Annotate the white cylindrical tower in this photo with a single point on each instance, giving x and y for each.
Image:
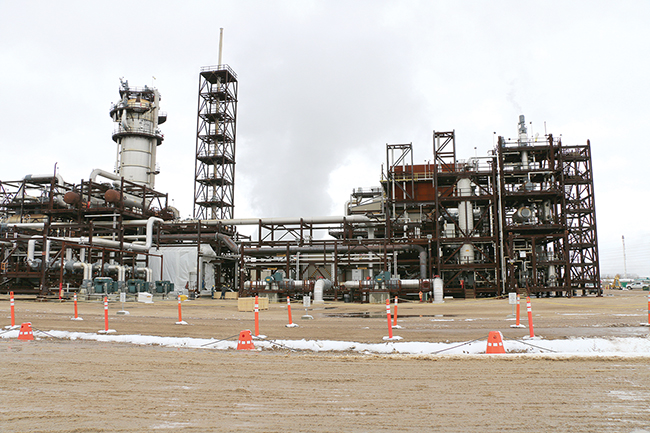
(523, 140)
(466, 219)
(137, 135)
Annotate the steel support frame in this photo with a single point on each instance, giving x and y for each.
(580, 208)
(214, 179)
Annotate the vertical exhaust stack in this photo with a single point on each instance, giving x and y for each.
(523, 140)
(137, 135)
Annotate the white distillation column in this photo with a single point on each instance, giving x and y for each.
(466, 219)
(137, 134)
(523, 140)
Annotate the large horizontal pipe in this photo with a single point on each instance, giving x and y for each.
(281, 221)
(356, 219)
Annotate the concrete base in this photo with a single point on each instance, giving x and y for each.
(378, 297)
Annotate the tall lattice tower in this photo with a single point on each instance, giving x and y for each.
(214, 179)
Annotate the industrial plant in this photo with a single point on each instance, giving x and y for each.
(520, 219)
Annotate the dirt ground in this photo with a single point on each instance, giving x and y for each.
(51, 385)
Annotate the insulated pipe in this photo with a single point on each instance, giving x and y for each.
(423, 260)
(99, 172)
(390, 284)
(121, 274)
(422, 253)
(88, 272)
(356, 219)
(227, 240)
(320, 286)
(41, 178)
(272, 221)
(128, 246)
(31, 248)
(147, 273)
(259, 285)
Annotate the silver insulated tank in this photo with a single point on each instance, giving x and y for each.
(137, 135)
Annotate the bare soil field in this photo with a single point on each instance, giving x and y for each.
(52, 385)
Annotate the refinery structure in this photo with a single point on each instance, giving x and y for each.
(520, 219)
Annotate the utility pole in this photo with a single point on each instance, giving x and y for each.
(624, 259)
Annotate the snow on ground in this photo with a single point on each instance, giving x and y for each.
(628, 346)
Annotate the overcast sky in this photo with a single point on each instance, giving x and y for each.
(324, 85)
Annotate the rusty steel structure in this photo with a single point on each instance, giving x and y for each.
(520, 219)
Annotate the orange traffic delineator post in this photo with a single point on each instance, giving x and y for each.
(495, 343)
(390, 328)
(105, 313)
(291, 324)
(518, 324)
(395, 325)
(518, 311)
(257, 318)
(106, 330)
(76, 311)
(26, 332)
(245, 340)
(180, 313)
(530, 317)
(647, 324)
(395, 315)
(13, 313)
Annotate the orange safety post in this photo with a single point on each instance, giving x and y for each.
(13, 313)
(291, 324)
(395, 315)
(105, 313)
(76, 312)
(257, 318)
(420, 295)
(60, 292)
(289, 310)
(180, 314)
(518, 315)
(390, 329)
(530, 317)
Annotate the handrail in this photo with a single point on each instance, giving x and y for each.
(219, 68)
